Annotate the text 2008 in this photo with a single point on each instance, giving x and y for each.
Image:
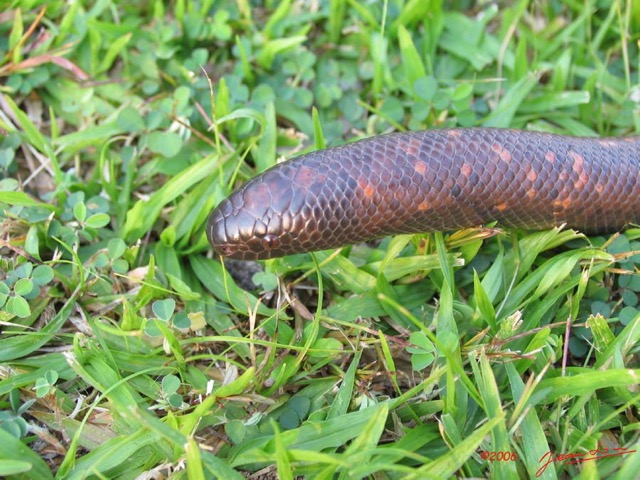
(499, 456)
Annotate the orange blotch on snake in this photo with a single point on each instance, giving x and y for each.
(369, 191)
(582, 181)
(562, 204)
(420, 167)
(532, 175)
(366, 188)
(454, 133)
(599, 188)
(578, 161)
(306, 176)
(502, 206)
(550, 157)
(502, 152)
(466, 170)
(532, 193)
(423, 206)
(411, 147)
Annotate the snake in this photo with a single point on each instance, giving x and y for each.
(433, 180)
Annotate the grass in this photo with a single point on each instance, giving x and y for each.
(126, 348)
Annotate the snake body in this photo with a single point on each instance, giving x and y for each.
(437, 180)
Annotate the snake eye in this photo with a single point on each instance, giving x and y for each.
(270, 241)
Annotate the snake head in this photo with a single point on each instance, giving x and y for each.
(321, 200)
(268, 216)
(240, 226)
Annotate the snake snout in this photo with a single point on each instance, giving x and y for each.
(244, 226)
(217, 232)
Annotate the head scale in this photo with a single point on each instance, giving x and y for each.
(270, 216)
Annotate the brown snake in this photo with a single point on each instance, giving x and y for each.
(437, 180)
